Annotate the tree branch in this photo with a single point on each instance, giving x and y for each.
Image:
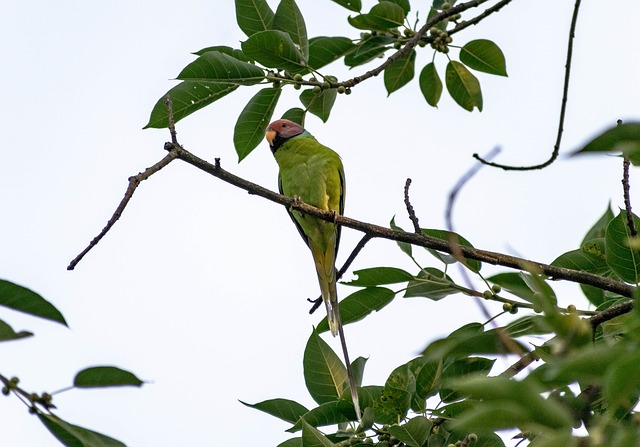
(626, 186)
(563, 106)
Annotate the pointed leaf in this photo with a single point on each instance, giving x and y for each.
(357, 368)
(7, 333)
(324, 372)
(293, 442)
(400, 72)
(431, 283)
(105, 376)
(73, 436)
(623, 138)
(274, 49)
(428, 379)
(430, 84)
(359, 304)
(352, 5)
(289, 19)
(378, 276)
(214, 66)
(470, 366)
(285, 409)
(414, 433)
(312, 437)
(320, 104)
(404, 246)
(253, 16)
(237, 54)
(187, 97)
(329, 413)
(623, 260)
(404, 4)
(598, 230)
(253, 121)
(463, 87)
(324, 50)
(484, 55)
(382, 17)
(455, 238)
(24, 300)
(621, 383)
(295, 114)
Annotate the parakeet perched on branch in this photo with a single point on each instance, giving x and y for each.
(313, 173)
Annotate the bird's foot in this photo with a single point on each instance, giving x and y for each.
(335, 216)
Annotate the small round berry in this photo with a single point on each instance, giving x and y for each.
(341, 89)
(507, 307)
(297, 77)
(317, 89)
(487, 294)
(297, 86)
(496, 288)
(445, 6)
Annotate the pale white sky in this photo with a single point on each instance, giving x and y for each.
(200, 288)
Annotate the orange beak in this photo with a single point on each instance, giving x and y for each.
(270, 135)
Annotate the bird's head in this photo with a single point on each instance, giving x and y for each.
(280, 131)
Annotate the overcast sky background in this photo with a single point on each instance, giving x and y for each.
(200, 288)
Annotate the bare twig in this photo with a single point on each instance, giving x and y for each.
(627, 200)
(467, 23)
(563, 106)
(170, 118)
(410, 210)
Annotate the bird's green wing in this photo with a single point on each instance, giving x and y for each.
(300, 230)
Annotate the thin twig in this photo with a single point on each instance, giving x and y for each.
(171, 119)
(410, 210)
(626, 186)
(610, 313)
(467, 23)
(563, 106)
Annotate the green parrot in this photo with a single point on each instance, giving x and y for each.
(313, 173)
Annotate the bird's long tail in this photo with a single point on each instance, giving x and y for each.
(327, 280)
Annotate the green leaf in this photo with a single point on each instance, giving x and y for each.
(623, 138)
(400, 72)
(285, 409)
(187, 97)
(295, 114)
(382, 17)
(470, 366)
(404, 246)
(395, 400)
(214, 66)
(312, 437)
(352, 5)
(451, 237)
(324, 50)
(105, 376)
(587, 261)
(357, 368)
(293, 442)
(431, 283)
(430, 84)
(484, 55)
(324, 372)
(404, 4)
(7, 333)
(253, 16)
(599, 229)
(320, 104)
(359, 304)
(428, 378)
(329, 413)
(463, 87)
(520, 284)
(621, 383)
(623, 260)
(253, 121)
(237, 54)
(25, 300)
(414, 433)
(274, 49)
(378, 276)
(368, 50)
(289, 19)
(73, 436)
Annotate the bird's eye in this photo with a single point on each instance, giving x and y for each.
(284, 124)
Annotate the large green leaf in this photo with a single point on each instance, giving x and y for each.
(484, 55)
(395, 400)
(253, 16)
(428, 378)
(377, 276)
(430, 84)
(451, 238)
(383, 16)
(289, 19)
(623, 138)
(431, 283)
(352, 5)
(414, 433)
(368, 50)
(105, 376)
(293, 442)
(400, 72)
(237, 54)
(359, 304)
(253, 121)
(7, 333)
(404, 4)
(214, 66)
(73, 436)
(187, 97)
(324, 50)
(312, 437)
(621, 383)
(329, 413)
(274, 49)
(25, 300)
(463, 86)
(469, 366)
(295, 114)
(599, 229)
(285, 409)
(320, 104)
(324, 373)
(623, 259)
